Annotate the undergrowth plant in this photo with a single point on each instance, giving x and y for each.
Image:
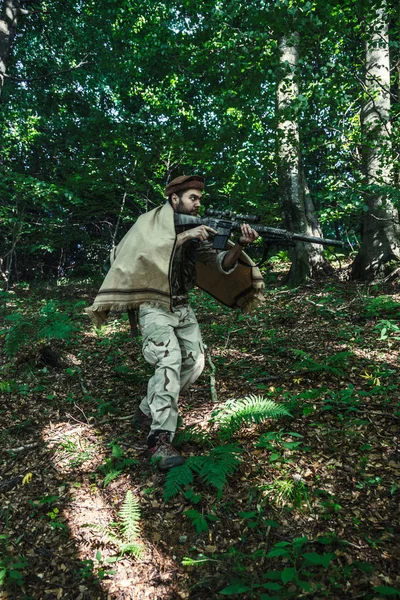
(335, 364)
(251, 410)
(380, 307)
(278, 443)
(124, 533)
(11, 567)
(215, 467)
(23, 329)
(296, 571)
(288, 490)
(114, 465)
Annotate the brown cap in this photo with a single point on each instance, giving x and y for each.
(185, 182)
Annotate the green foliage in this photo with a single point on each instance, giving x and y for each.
(249, 410)
(388, 330)
(387, 590)
(344, 401)
(115, 465)
(380, 307)
(289, 490)
(192, 435)
(333, 364)
(180, 477)
(124, 533)
(197, 520)
(49, 324)
(278, 443)
(213, 469)
(11, 566)
(296, 571)
(220, 464)
(130, 516)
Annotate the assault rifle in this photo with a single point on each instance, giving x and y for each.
(224, 222)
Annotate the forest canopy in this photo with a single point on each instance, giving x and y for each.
(289, 109)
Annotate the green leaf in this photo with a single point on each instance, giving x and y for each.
(288, 574)
(278, 552)
(248, 515)
(272, 586)
(236, 588)
(386, 590)
(364, 567)
(197, 520)
(282, 545)
(318, 559)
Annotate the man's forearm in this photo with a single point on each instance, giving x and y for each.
(231, 257)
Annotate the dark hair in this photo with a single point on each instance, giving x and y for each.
(178, 193)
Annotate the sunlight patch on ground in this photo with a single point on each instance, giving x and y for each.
(76, 447)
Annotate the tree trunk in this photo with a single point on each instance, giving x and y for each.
(11, 11)
(381, 233)
(297, 206)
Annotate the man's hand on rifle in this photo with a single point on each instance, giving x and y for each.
(248, 235)
(201, 233)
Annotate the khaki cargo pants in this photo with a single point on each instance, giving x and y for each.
(172, 344)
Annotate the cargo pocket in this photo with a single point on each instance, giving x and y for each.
(155, 343)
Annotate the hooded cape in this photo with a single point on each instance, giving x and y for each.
(141, 268)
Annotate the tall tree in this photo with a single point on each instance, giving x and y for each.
(11, 12)
(297, 206)
(381, 232)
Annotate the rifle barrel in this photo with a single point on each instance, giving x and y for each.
(273, 233)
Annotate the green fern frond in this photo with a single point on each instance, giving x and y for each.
(134, 549)
(219, 464)
(194, 435)
(110, 476)
(19, 333)
(130, 516)
(51, 323)
(178, 478)
(213, 468)
(252, 409)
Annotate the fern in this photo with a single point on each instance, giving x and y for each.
(130, 515)
(192, 434)
(178, 478)
(252, 409)
(219, 465)
(21, 330)
(127, 529)
(49, 324)
(213, 468)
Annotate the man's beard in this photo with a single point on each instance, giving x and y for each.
(194, 212)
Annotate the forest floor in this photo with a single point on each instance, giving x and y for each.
(298, 506)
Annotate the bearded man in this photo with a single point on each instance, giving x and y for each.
(153, 269)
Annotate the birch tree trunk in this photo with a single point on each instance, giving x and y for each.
(381, 233)
(297, 206)
(10, 13)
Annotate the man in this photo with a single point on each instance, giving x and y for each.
(154, 269)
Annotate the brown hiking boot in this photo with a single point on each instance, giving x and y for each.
(162, 452)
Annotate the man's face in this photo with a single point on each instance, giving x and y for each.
(189, 204)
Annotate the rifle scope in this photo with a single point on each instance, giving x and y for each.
(229, 214)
